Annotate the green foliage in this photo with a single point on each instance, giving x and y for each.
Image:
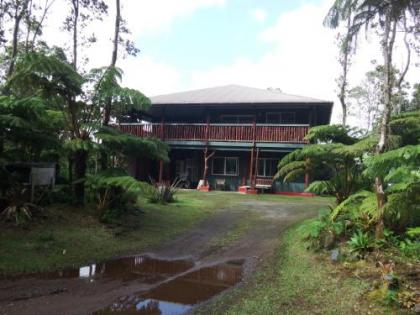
(319, 188)
(414, 232)
(351, 204)
(118, 143)
(407, 127)
(15, 205)
(340, 163)
(44, 75)
(322, 232)
(27, 128)
(108, 90)
(330, 133)
(410, 248)
(361, 243)
(115, 193)
(382, 164)
(162, 192)
(54, 113)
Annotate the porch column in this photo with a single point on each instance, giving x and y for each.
(307, 179)
(160, 171)
(162, 137)
(203, 185)
(252, 166)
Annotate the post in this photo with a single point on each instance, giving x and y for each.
(162, 137)
(307, 179)
(256, 169)
(160, 172)
(207, 128)
(203, 185)
(307, 175)
(251, 167)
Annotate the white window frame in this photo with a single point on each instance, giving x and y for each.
(225, 158)
(280, 116)
(265, 169)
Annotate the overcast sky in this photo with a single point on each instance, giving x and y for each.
(188, 44)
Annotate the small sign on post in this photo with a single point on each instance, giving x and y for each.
(41, 176)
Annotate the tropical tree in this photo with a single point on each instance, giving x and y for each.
(334, 157)
(384, 16)
(80, 99)
(343, 10)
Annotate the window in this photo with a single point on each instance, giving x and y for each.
(237, 119)
(280, 118)
(225, 166)
(267, 167)
(273, 118)
(288, 118)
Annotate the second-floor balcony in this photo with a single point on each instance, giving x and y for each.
(271, 133)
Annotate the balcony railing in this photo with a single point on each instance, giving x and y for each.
(219, 132)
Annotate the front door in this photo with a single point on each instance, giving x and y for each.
(192, 170)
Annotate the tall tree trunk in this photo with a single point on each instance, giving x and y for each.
(19, 14)
(345, 62)
(41, 22)
(116, 33)
(28, 26)
(75, 30)
(80, 167)
(387, 50)
(108, 103)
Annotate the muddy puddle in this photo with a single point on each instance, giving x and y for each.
(139, 268)
(179, 295)
(176, 285)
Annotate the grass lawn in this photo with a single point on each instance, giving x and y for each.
(72, 237)
(296, 281)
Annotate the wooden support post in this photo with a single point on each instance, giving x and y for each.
(207, 129)
(251, 166)
(307, 175)
(160, 171)
(256, 168)
(307, 180)
(204, 185)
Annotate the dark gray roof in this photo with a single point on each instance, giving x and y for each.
(233, 94)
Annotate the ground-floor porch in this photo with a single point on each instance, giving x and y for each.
(247, 170)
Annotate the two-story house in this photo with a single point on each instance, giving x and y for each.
(229, 137)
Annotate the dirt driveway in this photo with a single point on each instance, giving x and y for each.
(247, 231)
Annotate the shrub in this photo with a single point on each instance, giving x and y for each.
(361, 243)
(163, 192)
(16, 207)
(322, 232)
(319, 188)
(410, 248)
(114, 192)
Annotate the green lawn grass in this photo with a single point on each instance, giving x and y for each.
(72, 237)
(295, 281)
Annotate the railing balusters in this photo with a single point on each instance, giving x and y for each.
(219, 132)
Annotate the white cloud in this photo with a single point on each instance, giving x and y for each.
(150, 76)
(303, 59)
(157, 15)
(258, 14)
(143, 18)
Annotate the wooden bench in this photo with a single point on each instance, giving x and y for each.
(263, 183)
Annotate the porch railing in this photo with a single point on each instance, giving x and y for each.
(219, 132)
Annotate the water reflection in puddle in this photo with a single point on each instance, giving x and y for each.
(140, 268)
(179, 295)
